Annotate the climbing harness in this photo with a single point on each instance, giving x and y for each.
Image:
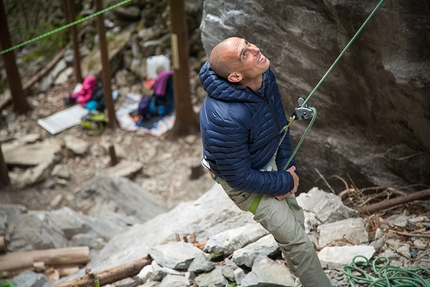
(304, 111)
(63, 27)
(94, 122)
(380, 273)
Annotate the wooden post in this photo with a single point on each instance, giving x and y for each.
(113, 158)
(70, 12)
(186, 119)
(2, 245)
(4, 176)
(106, 75)
(19, 99)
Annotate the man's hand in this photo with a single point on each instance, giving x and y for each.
(291, 170)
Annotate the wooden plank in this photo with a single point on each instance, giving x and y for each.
(109, 276)
(51, 257)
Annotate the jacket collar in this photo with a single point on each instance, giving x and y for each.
(221, 89)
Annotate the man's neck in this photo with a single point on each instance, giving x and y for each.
(254, 84)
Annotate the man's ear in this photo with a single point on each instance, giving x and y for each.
(234, 77)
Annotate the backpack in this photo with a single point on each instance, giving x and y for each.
(162, 104)
(94, 122)
(143, 107)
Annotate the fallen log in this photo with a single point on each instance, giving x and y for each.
(109, 276)
(372, 208)
(50, 257)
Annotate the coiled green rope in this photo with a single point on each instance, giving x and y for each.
(380, 273)
(5, 283)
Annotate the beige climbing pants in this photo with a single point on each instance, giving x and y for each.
(286, 223)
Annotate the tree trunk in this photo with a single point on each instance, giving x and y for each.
(19, 100)
(186, 121)
(106, 67)
(69, 10)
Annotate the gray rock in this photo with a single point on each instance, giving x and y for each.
(29, 154)
(228, 270)
(351, 229)
(264, 246)
(174, 281)
(323, 207)
(216, 213)
(146, 273)
(212, 279)
(176, 255)
(339, 256)
(30, 279)
(125, 169)
(201, 263)
(29, 138)
(159, 272)
(401, 221)
(60, 171)
(266, 272)
(32, 231)
(37, 173)
(76, 145)
(228, 241)
(95, 243)
(239, 274)
(110, 194)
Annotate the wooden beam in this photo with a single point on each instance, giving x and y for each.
(109, 276)
(51, 257)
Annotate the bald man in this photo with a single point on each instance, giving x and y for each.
(241, 123)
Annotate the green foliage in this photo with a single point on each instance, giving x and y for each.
(233, 284)
(47, 45)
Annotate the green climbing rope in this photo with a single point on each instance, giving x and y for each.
(380, 273)
(322, 79)
(64, 27)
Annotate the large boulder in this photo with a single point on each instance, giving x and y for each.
(373, 120)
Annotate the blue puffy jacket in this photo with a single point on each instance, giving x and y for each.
(240, 131)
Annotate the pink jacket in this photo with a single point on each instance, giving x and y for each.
(84, 94)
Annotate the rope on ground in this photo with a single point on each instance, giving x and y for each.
(380, 273)
(5, 283)
(63, 27)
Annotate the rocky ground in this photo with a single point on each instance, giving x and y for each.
(167, 164)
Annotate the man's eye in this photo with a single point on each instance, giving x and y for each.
(245, 54)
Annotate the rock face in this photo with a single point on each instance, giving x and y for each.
(373, 108)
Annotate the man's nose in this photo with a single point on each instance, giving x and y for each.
(254, 49)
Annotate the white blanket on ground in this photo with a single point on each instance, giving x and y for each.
(125, 121)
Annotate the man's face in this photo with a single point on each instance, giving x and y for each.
(246, 59)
